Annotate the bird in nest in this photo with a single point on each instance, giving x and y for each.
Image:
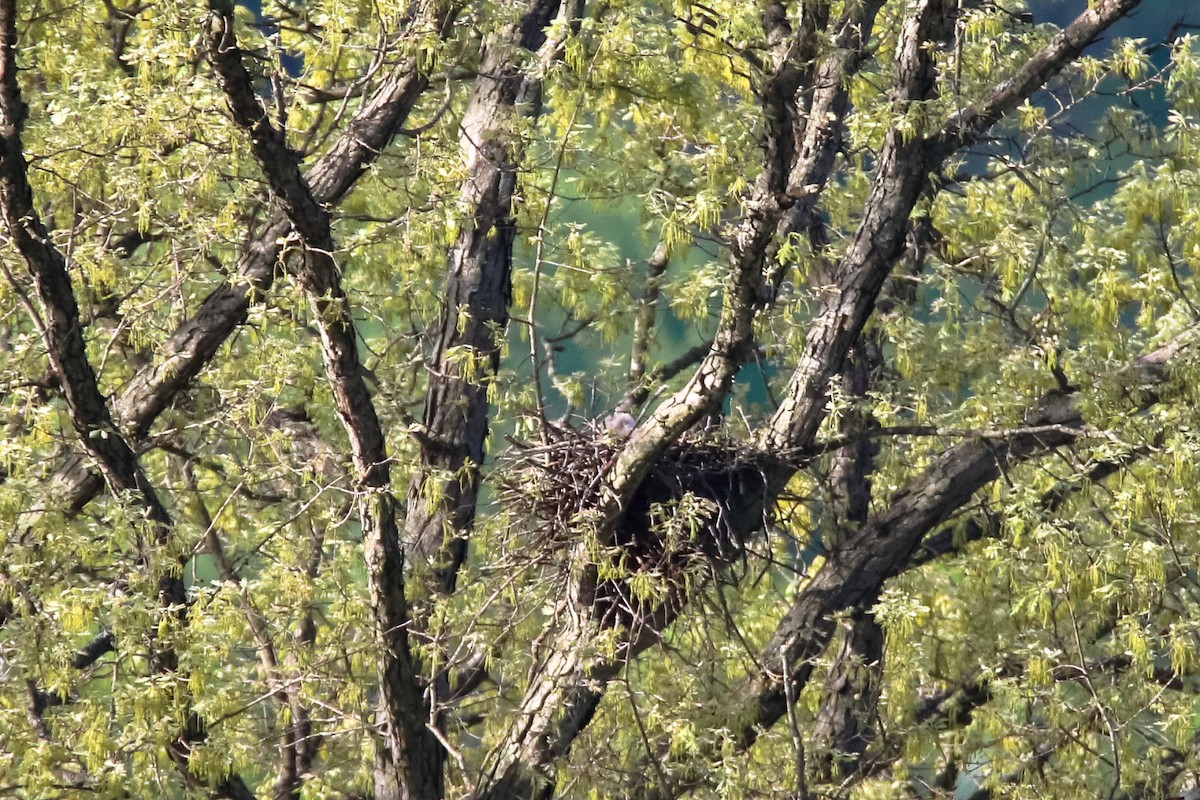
(619, 424)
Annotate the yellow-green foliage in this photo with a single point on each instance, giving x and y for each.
(1057, 258)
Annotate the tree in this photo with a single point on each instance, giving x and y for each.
(311, 312)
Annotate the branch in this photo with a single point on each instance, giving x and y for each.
(196, 340)
(92, 652)
(478, 290)
(957, 705)
(954, 540)
(299, 745)
(561, 699)
(639, 394)
(408, 760)
(902, 175)
(89, 412)
(647, 310)
(279, 163)
(845, 721)
(966, 126)
(876, 244)
(854, 573)
(567, 680)
(61, 327)
(798, 154)
(479, 269)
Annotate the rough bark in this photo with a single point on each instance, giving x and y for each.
(567, 677)
(954, 540)
(561, 700)
(876, 244)
(466, 355)
(454, 433)
(478, 289)
(196, 340)
(90, 415)
(475, 313)
(901, 178)
(968, 124)
(845, 722)
(798, 154)
(854, 573)
(409, 758)
(643, 322)
(796, 422)
(62, 329)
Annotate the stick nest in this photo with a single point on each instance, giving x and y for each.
(684, 507)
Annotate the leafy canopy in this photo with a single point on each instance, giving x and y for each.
(1047, 647)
